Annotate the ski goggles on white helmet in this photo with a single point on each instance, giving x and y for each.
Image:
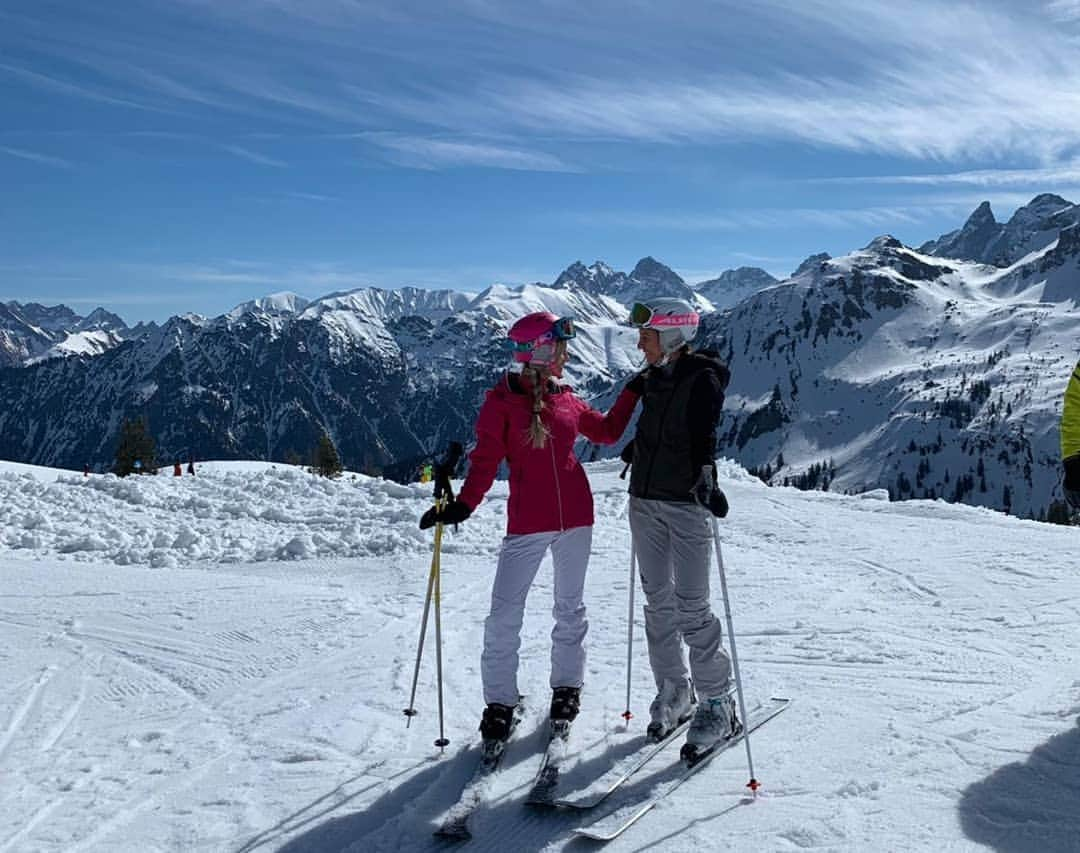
(645, 317)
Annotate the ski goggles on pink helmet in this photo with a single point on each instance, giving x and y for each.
(534, 336)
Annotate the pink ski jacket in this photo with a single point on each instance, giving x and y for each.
(548, 487)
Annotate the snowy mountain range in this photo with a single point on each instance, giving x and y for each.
(934, 372)
(33, 332)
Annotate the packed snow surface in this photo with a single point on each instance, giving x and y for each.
(220, 663)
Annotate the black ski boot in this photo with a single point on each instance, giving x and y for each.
(497, 722)
(565, 702)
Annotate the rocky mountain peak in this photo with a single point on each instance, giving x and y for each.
(885, 241)
(731, 286)
(100, 319)
(813, 262)
(981, 215)
(983, 239)
(598, 279)
(651, 272)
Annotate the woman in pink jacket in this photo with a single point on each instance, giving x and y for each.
(531, 420)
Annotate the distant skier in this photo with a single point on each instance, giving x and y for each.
(672, 492)
(191, 467)
(1070, 440)
(531, 420)
(176, 470)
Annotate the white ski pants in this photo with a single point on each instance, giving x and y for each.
(519, 560)
(673, 542)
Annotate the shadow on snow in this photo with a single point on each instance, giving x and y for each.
(1029, 807)
(405, 816)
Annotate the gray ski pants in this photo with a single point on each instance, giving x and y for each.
(519, 560)
(673, 542)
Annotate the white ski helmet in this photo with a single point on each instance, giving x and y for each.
(675, 320)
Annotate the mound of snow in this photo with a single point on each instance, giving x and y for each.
(230, 512)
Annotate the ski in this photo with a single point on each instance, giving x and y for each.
(547, 777)
(593, 794)
(613, 825)
(455, 823)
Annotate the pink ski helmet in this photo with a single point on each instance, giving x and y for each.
(535, 335)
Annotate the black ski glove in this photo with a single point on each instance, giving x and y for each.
(455, 512)
(709, 495)
(627, 453)
(637, 384)
(1072, 481)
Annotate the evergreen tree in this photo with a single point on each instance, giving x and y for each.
(327, 461)
(135, 444)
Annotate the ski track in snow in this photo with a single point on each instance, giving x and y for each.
(242, 690)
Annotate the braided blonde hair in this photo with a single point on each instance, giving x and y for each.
(538, 377)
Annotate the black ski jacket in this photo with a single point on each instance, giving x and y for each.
(676, 432)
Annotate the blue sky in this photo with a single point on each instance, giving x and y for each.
(163, 156)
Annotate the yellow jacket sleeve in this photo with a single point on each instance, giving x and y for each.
(1070, 417)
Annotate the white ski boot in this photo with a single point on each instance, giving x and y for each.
(714, 723)
(672, 706)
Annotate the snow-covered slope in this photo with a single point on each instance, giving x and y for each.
(90, 343)
(232, 700)
(890, 368)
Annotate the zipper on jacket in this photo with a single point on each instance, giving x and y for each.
(660, 433)
(558, 490)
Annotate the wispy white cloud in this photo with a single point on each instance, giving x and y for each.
(36, 157)
(303, 196)
(1064, 10)
(254, 156)
(771, 260)
(102, 299)
(884, 79)
(63, 87)
(1048, 177)
(926, 80)
(763, 218)
(424, 153)
(245, 279)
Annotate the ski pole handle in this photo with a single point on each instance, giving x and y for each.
(444, 470)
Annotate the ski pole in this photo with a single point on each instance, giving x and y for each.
(753, 784)
(444, 493)
(433, 573)
(630, 630)
(443, 741)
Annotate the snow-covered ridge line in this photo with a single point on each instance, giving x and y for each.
(239, 513)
